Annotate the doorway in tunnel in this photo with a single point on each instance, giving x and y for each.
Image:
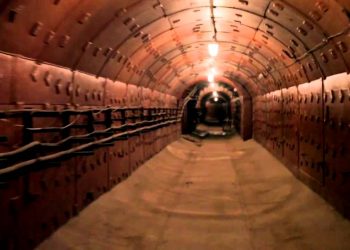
(218, 114)
(213, 109)
(189, 117)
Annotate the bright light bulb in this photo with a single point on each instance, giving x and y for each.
(213, 49)
(211, 77)
(216, 99)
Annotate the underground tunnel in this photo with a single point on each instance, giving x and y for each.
(174, 124)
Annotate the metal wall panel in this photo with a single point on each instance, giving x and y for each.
(89, 90)
(92, 177)
(6, 93)
(291, 126)
(11, 193)
(311, 130)
(337, 118)
(274, 122)
(41, 84)
(315, 133)
(43, 208)
(260, 119)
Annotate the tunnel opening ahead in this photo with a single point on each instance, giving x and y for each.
(214, 109)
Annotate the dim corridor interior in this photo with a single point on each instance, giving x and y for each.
(224, 194)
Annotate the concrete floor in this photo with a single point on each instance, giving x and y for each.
(226, 194)
(205, 127)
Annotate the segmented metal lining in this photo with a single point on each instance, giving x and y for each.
(264, 45)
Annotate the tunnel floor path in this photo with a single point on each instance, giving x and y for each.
(225, 194)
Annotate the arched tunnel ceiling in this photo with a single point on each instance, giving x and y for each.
(264, 44)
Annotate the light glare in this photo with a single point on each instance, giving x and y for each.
(213, 49)
(213, 85)
(211, 77)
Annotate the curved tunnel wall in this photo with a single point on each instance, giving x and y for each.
(66, 137)
(165, 47)
(307, 127)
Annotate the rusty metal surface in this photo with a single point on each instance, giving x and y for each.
(32, 190)
(291, 125)
(45, 107)
(153, 35)
(274, 129)
(315, 118)
(336, 143)
(311, 130)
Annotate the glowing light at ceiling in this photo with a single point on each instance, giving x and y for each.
(213, 85)
(211, 75)
(212, 71)
(213, 49)
(216, 99)
(211, 61)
